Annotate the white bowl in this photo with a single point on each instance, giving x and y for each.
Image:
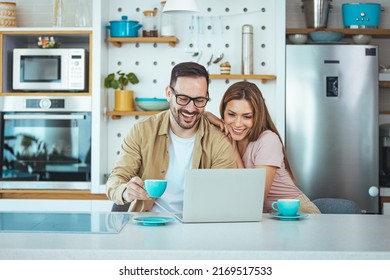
(297, 38)
(361, 39)
(152, 104)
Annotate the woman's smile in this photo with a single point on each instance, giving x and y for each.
(239, 118)
(238, 131)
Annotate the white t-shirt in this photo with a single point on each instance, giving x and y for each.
(180, 160)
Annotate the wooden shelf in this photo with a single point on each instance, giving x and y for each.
(384, 84)
(347, 31)
(118, 41)
(118, 114)
(263, 78)
(50, 194)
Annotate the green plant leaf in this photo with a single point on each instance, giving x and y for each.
(107, 83)
(114, 84)
(125, 82)
(132, 78)
(108, 80)
(122, 81)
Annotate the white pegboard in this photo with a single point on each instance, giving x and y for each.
(152, 62)
(218, 28)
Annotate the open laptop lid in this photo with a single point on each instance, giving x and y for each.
(223, 195)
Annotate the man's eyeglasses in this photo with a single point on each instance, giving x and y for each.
(184, 100)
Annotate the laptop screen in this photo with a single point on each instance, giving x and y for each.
(223, 195)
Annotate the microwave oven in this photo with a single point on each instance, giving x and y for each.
(49, 69)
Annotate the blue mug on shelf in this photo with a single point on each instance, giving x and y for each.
(287, 206)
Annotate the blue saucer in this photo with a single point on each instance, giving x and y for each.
(289, 218)
(153, 221)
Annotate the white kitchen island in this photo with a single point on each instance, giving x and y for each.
(315, 237)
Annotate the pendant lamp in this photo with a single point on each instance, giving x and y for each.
(180, 6)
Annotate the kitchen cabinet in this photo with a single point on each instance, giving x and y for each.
(28, 39)
(384, 84)
(53, 200)
(385, 202)
(50, 194)
(78, 129)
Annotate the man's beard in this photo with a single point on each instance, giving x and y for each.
(180, 119)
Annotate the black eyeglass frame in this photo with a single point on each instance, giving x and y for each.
(190, 99)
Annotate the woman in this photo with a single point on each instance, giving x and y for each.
(257, 143)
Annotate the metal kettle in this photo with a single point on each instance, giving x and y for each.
(316, 12)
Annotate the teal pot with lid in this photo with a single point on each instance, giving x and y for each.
(124, 28)
(361, 15)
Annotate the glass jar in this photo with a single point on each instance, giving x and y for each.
(149, 24)
(58, 13)
(81, 16)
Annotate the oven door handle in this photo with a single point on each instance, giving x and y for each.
(43, 117)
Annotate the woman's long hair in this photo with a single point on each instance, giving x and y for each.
(261, 118)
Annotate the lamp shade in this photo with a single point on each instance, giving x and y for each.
(180, 6)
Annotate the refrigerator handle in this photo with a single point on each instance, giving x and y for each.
(373, 191)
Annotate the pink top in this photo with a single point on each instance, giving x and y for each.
(268, 150)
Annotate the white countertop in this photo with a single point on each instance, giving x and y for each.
(315, 237)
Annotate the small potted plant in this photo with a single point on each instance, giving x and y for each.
(124, 99)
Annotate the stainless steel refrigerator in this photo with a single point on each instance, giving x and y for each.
(332, 121)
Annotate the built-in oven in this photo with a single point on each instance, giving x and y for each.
(45, 143)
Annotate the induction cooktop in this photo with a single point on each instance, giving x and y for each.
(63, 222)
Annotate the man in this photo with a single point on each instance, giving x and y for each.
(165, 145)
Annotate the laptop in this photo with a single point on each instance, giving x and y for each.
(223, 195)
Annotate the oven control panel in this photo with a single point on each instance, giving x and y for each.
(45, 103)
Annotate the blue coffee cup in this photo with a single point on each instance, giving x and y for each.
(155, 188)
(286, 207)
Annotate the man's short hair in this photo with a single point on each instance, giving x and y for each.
(188, 69)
